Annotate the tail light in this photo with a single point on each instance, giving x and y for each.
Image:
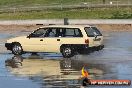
(86, 41)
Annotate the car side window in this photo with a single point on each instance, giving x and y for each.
(51, 32)
(78, 33)
(73, 32)
(39, 32)
(59, 32)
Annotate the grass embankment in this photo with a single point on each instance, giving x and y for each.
(14, 10)
(108, 13)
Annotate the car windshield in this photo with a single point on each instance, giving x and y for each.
(92, 31)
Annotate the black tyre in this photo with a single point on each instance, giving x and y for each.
(67, 51)
(100, 47)
(17, 49)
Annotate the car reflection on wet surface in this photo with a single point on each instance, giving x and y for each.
(56, 73)
(52, 71)
(15, 62)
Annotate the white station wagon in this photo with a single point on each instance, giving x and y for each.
(66, 39)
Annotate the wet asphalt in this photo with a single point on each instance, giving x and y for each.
(50, 70)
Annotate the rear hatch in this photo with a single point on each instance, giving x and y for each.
(94, 35)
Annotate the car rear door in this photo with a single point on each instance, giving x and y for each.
(52, 40)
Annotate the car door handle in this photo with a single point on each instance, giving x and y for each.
(41, 39)
(58, 39)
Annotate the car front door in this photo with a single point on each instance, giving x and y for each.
(35, 41)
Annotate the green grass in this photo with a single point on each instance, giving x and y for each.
(6, 13)
(43, 2)
(48, 2)
(108, 13)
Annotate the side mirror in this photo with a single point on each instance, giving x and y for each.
(29, 36)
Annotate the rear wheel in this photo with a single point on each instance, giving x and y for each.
(67, 52)
(100, 47)
(17, 49)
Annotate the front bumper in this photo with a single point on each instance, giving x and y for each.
(8, 46)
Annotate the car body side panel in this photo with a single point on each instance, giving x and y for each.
(52, 45)
(72, 40)
(29, 44)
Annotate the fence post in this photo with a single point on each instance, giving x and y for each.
(66, 21)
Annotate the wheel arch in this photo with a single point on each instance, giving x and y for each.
(63, 45)
(13, 43)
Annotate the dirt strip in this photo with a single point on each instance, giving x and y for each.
(103, 27)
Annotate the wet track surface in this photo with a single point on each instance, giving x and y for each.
(49, 70)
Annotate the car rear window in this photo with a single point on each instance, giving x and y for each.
(92, 31)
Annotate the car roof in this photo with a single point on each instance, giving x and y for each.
(67, 26)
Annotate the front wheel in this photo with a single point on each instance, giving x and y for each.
(17, 49)
(67, 52)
